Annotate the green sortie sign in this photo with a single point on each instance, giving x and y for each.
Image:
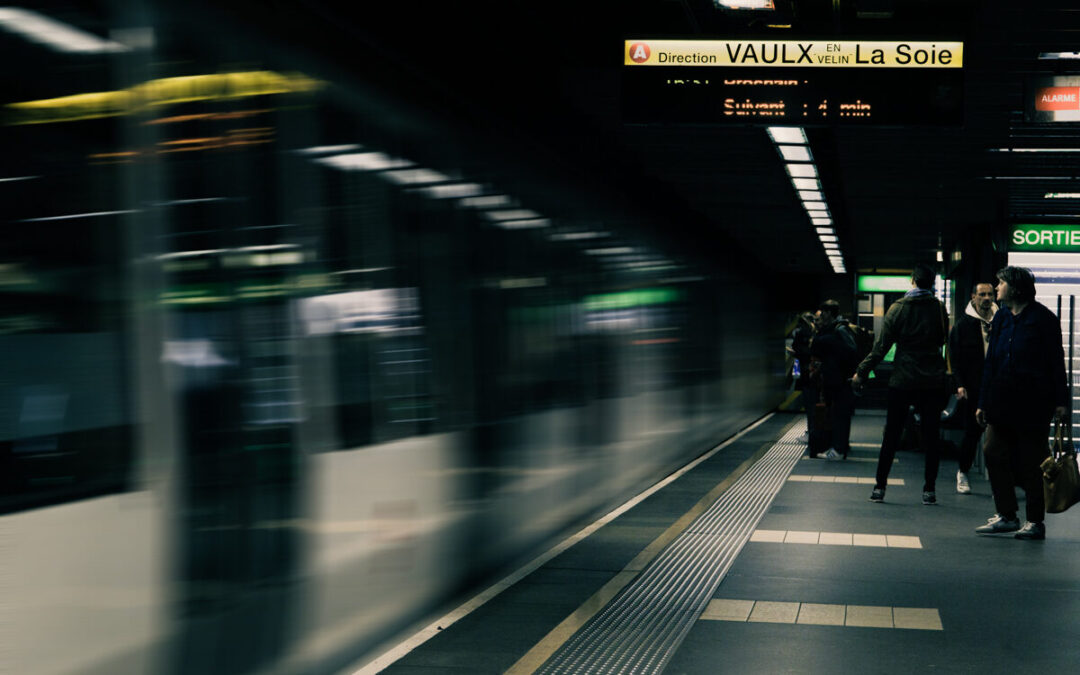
(1049, 238)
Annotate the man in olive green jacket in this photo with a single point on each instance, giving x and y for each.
(918, 325)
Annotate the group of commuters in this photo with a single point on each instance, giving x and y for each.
(1008, 374)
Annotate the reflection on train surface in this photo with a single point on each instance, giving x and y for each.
(286, 369)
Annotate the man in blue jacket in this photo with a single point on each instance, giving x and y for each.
(1023, 387)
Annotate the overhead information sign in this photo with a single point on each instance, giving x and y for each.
(803, 82)
(884, 283)
(1053, 99)
(1047, 238)
(794, 53)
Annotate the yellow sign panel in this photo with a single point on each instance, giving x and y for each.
(794, 53)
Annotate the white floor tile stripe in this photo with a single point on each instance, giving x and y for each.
(835, 538)
(864, 616)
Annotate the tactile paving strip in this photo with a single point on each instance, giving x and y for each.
(641, 628)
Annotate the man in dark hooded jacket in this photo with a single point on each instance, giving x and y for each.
(1023, 387)
(916, 324)
(833, 352)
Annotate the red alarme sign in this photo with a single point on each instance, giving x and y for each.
(1057, 98)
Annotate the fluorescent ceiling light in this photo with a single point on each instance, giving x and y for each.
(811, 195)
(795, 153)
(58, 36)
(17, 178)
(801, 170)
(816, 206)
(1058, 55)
(1037, 150)
(511, 214)
(1062, 195)
(364, 161)
(415, 176)
(74, 216)
(806, 183)
(576, 236)
(828, 237)
(454, 191)
(747, 4)
(487, 202)
(821, 220)
(831, 246)
(614, 250)
(324, 149)
(825, 230)
(525, 224)
(787, 135)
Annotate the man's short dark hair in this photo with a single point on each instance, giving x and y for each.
(923, 276)
(1021, 282)
(975, 286)
(831, 307)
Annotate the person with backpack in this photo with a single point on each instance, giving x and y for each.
(917, 325)
(833, 352)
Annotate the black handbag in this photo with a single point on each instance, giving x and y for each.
(1061, 476)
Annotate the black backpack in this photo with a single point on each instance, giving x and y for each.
(864, 340)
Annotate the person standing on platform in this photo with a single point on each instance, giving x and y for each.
(916, 324)
(968, 342)
(800, 348)
(833, 350)
(1023, 388)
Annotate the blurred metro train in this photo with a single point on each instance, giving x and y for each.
(290, 363)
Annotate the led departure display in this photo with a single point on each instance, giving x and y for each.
(793, 82)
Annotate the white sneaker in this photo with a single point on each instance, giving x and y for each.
(962, 484)
(832, 455)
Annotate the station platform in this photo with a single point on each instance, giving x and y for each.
(757, 559)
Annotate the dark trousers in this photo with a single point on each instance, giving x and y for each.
(810, 394)
(841, 401)
(973, 431)
(928, 404)
(1013, 455)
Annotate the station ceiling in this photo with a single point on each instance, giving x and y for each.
(550, 76)
(898, 193)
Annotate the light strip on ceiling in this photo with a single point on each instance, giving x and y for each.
(454, 191)
(511, 214)
(794, 135)
(1062, 195)
(487, 202)
(54, 34)
(415, 176)
(364, 161)
(1036, 150)
(747, 4)
(794, 146)
(578, 236)
(795, 153)
(801, 170)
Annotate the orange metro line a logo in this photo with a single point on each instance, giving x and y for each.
(640, 52)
